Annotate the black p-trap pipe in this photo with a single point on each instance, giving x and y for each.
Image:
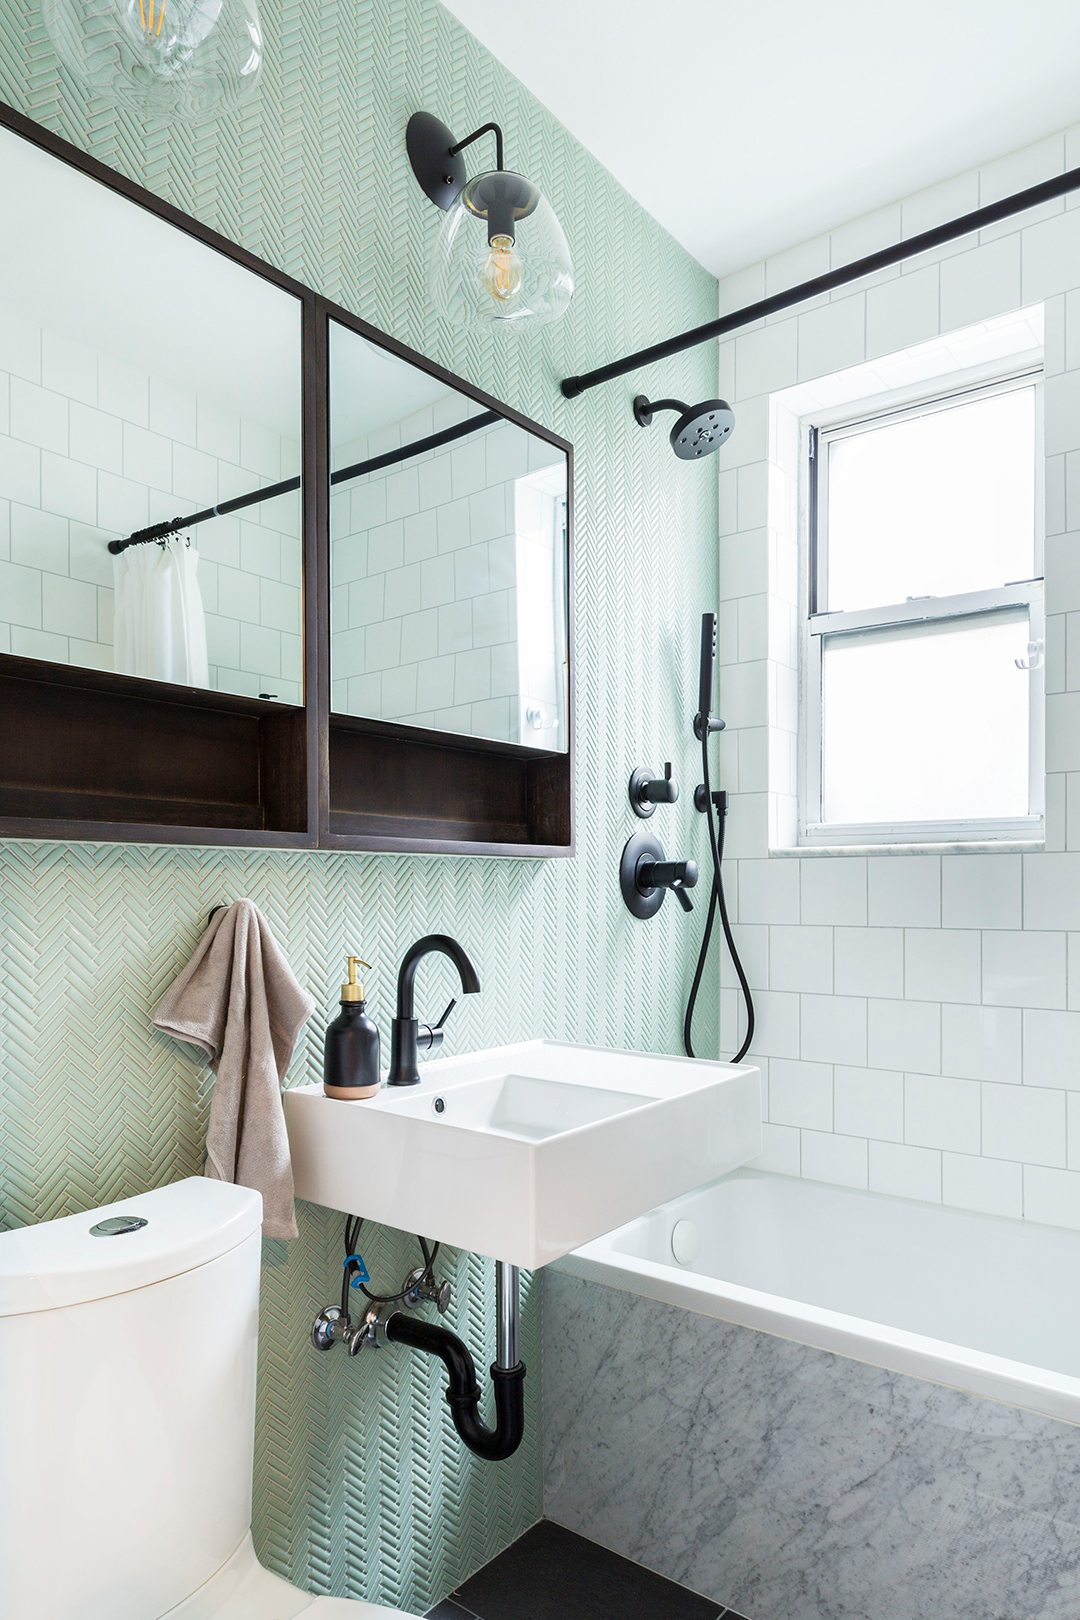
(463, 1394)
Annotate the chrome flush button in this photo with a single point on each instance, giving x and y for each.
(117, 1225)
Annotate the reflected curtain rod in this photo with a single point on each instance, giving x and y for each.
(161, 531)
(1047, 191)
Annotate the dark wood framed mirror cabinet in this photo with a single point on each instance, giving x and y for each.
(267, 576)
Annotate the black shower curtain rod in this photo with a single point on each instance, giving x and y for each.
(161, 531)
(1047, 191)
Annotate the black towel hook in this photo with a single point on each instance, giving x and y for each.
(213, 914)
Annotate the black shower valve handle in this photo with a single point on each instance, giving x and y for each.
(678, 889)
(664, 791)
(646, 793)
(646, 874)
(678, 876)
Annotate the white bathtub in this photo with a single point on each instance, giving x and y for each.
(979, 1302)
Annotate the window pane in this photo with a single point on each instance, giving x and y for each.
(933, 505)
(926, 723)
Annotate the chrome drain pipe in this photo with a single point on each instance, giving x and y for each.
(508, 1308)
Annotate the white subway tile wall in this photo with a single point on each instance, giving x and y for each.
(90, 450)
(919, 1015)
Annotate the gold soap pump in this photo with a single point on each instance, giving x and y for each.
(353, 991)
(351, 1052)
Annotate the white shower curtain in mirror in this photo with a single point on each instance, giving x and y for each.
(159, 628)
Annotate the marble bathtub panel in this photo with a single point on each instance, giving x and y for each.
(793, 1484)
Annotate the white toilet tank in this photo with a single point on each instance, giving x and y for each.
(127, 1403)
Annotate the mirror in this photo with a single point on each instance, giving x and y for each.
(448, 556)
(143, 377)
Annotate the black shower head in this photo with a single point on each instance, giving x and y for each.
(700, 429)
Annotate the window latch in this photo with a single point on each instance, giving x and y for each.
(1034, 657)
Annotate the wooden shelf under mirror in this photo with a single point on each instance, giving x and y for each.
(478, 797)
(88, 754)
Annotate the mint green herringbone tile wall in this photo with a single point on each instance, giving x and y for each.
(361, 1486)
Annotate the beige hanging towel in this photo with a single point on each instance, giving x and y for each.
(237, 999)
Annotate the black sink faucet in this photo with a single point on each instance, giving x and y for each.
(407, 1037)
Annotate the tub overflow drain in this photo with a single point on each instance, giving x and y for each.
(685, 1242)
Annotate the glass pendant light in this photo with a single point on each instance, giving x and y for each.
(173, 59)
(500, 258)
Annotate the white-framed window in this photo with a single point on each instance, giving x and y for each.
(921, 673)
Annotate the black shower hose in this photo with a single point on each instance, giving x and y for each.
(717, 903)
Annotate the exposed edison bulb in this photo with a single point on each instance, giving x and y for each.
(500, 257)
(182, 59)
(166, 47)
(503, 271)
(147, 22)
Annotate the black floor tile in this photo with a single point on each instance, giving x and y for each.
(449, 1611)
(552, 1574)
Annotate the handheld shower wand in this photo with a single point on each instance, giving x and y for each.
(705, 722)
(714, 806)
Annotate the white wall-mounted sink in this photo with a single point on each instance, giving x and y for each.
(528, 1151)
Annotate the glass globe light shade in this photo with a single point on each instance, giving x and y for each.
(500, 258)
(174, 59)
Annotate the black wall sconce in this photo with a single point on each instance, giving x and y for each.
(500, 258)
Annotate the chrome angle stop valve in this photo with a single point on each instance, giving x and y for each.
(331, 1327)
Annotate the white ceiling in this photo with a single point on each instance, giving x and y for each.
(745, 129)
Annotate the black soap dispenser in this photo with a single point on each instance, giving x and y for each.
(351, 1052)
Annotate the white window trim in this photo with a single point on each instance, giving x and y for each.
(812, 831)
